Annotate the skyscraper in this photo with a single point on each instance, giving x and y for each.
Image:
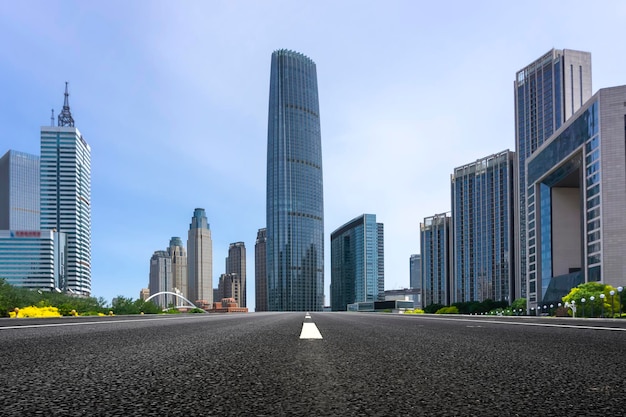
(547, 93)
(260, 271)
(199, 259)
(357, 263)
(19, 191)
(436, 247)
(66, 195)
(415, 271)
(236, 264)
(482, 229)
(161, 278)
(177, 253)
(230, 287)
(295, 201)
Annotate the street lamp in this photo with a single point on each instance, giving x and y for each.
(551, 309)
(573, 308)
(612, 293)
(619, 299)
(591, 299)
(602, 301)
(582, 300)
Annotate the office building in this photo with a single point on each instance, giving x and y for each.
(65, 196)
(19, 191)
(295, 201)
(260, 271)
(436, 246)
(178, 255)
(230, 286)
(576, 201)
(199, 259)
(482, 229)
(33, 259)
(161, 278)
(357, 263)
(547, 92)
(144, 293)
(415, 271)
(236, 264)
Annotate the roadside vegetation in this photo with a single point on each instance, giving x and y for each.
(22, 302)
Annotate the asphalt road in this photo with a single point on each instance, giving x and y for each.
(365, 364)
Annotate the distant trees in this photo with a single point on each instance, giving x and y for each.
(12, 297)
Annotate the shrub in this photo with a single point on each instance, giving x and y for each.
(33, 311)
(448, 310)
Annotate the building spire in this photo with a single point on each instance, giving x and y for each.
(65, 118)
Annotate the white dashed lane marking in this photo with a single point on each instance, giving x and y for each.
(309, 330)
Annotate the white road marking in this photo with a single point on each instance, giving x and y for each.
(310, 331)
(521, 323)
(84, 323)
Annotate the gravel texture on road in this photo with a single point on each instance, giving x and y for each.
(256, 365)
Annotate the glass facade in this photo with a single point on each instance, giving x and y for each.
(33, 259)
(547, 93)
(260, 271)
(482, 224)
(357, 263)
(65, 197)
(435, 244)
(19, 191)
(295, 202)
(161, 279)
(570, 159)
(415, 271)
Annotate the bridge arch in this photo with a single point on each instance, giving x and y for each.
(192, 305)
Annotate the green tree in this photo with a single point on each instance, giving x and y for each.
(519, 304)
(596, 306)
(431, 309)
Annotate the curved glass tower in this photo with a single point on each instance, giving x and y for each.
(295, 201)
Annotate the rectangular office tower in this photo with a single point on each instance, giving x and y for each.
(260, 271)
(576, 201)
(161, 278)
(357, 257)
(236, 264)
(33, 259)
(436, 246)
(547, 93)
(295, 198)
(482, 229)
(66, 195)
(19, 191)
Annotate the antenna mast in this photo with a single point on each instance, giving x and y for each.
(65, 118)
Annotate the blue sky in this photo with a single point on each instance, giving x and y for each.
(172, 98)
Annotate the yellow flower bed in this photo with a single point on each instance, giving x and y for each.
(33, 311)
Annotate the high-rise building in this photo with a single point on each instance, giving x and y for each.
(65, 196)
(547, 92)
(236, 264)
(357, 263)
(19, 191)
(199, 259)
(260, 271)
(177, 253)
(482, 229)
(33, 259)
(295, 201)
(161, 278)
(576, 201)
(436, 246)
(415, 271)
(230, 286)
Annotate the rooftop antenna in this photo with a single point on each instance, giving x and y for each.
(65, 118)
(52, 119)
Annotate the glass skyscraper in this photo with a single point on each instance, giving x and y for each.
(436, 246)
(65, 196)
(482, 229)
(260, 270)
(547, 93)
(357, 258)
(295, 201)
(19, 191)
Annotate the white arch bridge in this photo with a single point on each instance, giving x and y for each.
(178, 296)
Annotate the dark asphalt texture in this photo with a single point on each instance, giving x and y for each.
(366, 365)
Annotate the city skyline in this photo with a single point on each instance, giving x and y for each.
(155, 113)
